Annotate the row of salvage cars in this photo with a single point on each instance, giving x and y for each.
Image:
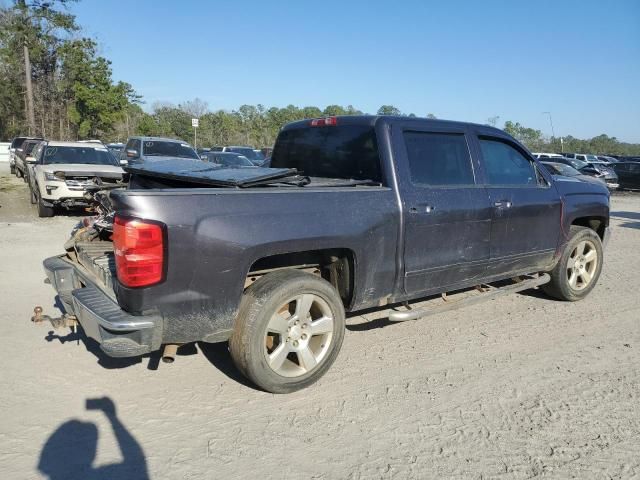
(62, 175)
(621, 174)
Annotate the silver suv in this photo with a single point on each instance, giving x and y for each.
(62, 171)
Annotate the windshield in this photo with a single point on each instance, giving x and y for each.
(578, 164)
(28, 148)
(168, 149)
(17, 142)
(78, 155)
(229, 159)
(247, 152)
(345, 152)
(561, 169)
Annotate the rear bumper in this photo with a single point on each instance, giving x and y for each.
(119, 333)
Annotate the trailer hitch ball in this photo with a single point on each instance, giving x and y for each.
(59, 322)
(37, 315)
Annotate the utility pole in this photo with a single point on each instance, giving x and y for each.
(553, 133)
(31, 117)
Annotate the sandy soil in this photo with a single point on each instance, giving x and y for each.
(518, 387)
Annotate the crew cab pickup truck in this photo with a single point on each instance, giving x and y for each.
(356, 212)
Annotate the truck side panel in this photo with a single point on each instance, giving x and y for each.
(219, 233)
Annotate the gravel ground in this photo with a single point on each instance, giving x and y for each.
(517, 387)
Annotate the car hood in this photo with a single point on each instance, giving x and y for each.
(83, 169)
(581, 184)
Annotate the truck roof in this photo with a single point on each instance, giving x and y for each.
(374, 119)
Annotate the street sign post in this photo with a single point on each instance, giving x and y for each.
(195, 122)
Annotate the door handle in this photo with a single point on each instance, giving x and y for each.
(427, 209)
(502, 204)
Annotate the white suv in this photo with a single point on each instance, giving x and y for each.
(61, 172)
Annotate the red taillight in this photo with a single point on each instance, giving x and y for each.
(322, 122)
(139, 249)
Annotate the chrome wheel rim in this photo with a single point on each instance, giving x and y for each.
(299, 335)
(582, 265)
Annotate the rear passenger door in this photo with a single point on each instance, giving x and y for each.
(447, 216)
(526, 208)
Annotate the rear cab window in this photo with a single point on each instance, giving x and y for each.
(335, 151)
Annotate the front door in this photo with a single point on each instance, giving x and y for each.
(526, 220)
(447, 216)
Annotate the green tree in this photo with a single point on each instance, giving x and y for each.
(389, 110)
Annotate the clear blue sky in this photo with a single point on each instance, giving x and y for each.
(459, 60)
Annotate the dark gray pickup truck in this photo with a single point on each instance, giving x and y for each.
(356, 212)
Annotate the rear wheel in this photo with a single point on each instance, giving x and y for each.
(289, 331)
(32, 196)
(579, 267)
(12, 169)
(18, 172)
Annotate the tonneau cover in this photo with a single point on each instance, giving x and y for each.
(196, 171)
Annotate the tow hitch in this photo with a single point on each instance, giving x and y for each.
(58, 322)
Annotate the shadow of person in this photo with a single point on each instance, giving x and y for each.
(70, 451)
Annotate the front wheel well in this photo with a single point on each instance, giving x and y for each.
(335, 265)
(597, 224)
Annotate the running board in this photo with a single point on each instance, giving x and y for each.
(403, 316)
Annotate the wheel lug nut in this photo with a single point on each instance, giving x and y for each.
(295, 343)
(304, 336)
(304, 325)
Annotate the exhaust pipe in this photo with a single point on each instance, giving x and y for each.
(169, 352)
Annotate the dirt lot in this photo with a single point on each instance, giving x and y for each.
(514, 388)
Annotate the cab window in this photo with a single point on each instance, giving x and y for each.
(504, 165)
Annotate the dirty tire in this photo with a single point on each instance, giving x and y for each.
(12, 169)
(43, 210)
(32, 197)
(560, 286)
(267, 299)
(18, 173)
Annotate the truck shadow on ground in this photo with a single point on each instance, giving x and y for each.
(70, 451)
(218, 355)
(627, 216)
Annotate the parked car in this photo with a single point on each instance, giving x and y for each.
(546, 155)
(586, 168)
(144, 149)
(564, 170)
(116, 150)
(628, 175)
(607, 159)
(256, 157)
(356, 212)
(24, 157)
(63, 170)
(14, 149)
(227, 159)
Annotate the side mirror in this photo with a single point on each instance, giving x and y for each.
(124, 162)
(30, 159)
(132, 153)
